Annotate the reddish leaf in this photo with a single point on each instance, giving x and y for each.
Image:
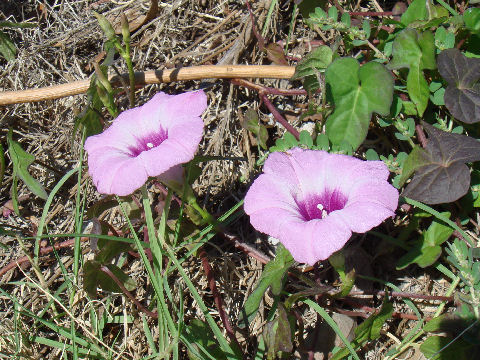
(462, 96)
(445, 177)
(275, 54)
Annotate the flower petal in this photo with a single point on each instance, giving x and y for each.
(364, 216)
(362, 198)
(181, 107)
(375, 191)
(326, 236)
(128, 177)
(269, 192)
(146, 141)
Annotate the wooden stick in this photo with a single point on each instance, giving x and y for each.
(153, 77)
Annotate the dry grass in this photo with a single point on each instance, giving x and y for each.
(62, 48)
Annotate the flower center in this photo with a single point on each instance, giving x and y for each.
(315, 206)
(148, 142)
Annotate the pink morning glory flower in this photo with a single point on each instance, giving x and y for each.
(146, 141)
(312, 201)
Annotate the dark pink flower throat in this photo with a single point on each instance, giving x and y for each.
(148, 142)
(317, 206)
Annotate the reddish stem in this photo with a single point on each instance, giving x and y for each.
(276, 114)
(249, 250)
(43, 251)
(371, 13)
(421, 136)
(216, 296)
(107, 271)
(268, 90)
(260, 39)
(404, 295)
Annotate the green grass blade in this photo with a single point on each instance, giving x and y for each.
(333, 325)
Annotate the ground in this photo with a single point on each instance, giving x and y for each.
(62, 47)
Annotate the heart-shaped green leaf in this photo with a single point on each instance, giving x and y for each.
(444, 176)
(357, 92)
(415, 51)
(462, 96)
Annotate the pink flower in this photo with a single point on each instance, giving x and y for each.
(312, 201)
(146, 141)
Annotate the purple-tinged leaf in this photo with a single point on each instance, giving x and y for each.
(445, 177)
(278, 333)
(94, 277)
(462, 96)
(275, 54)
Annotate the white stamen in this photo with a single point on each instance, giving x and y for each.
(322, 209)
(150, 145)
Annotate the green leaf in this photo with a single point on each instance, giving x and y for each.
(471, 17)
(416, 11)
(273, 275)
(7, 48)
(313, 63)
(288, 141)
(333, 13)
(370, 328)
(200, 336)
(252, 123)
(90, 118)
(306, 139)
(110, 249)
(107, 28)
(415, 51)
(371, 155)
(427, 249)
(356, 92)
(307, 7)
(444, 348)
(366, 28)
(444, 39)
(345, 19)
(21, 161)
